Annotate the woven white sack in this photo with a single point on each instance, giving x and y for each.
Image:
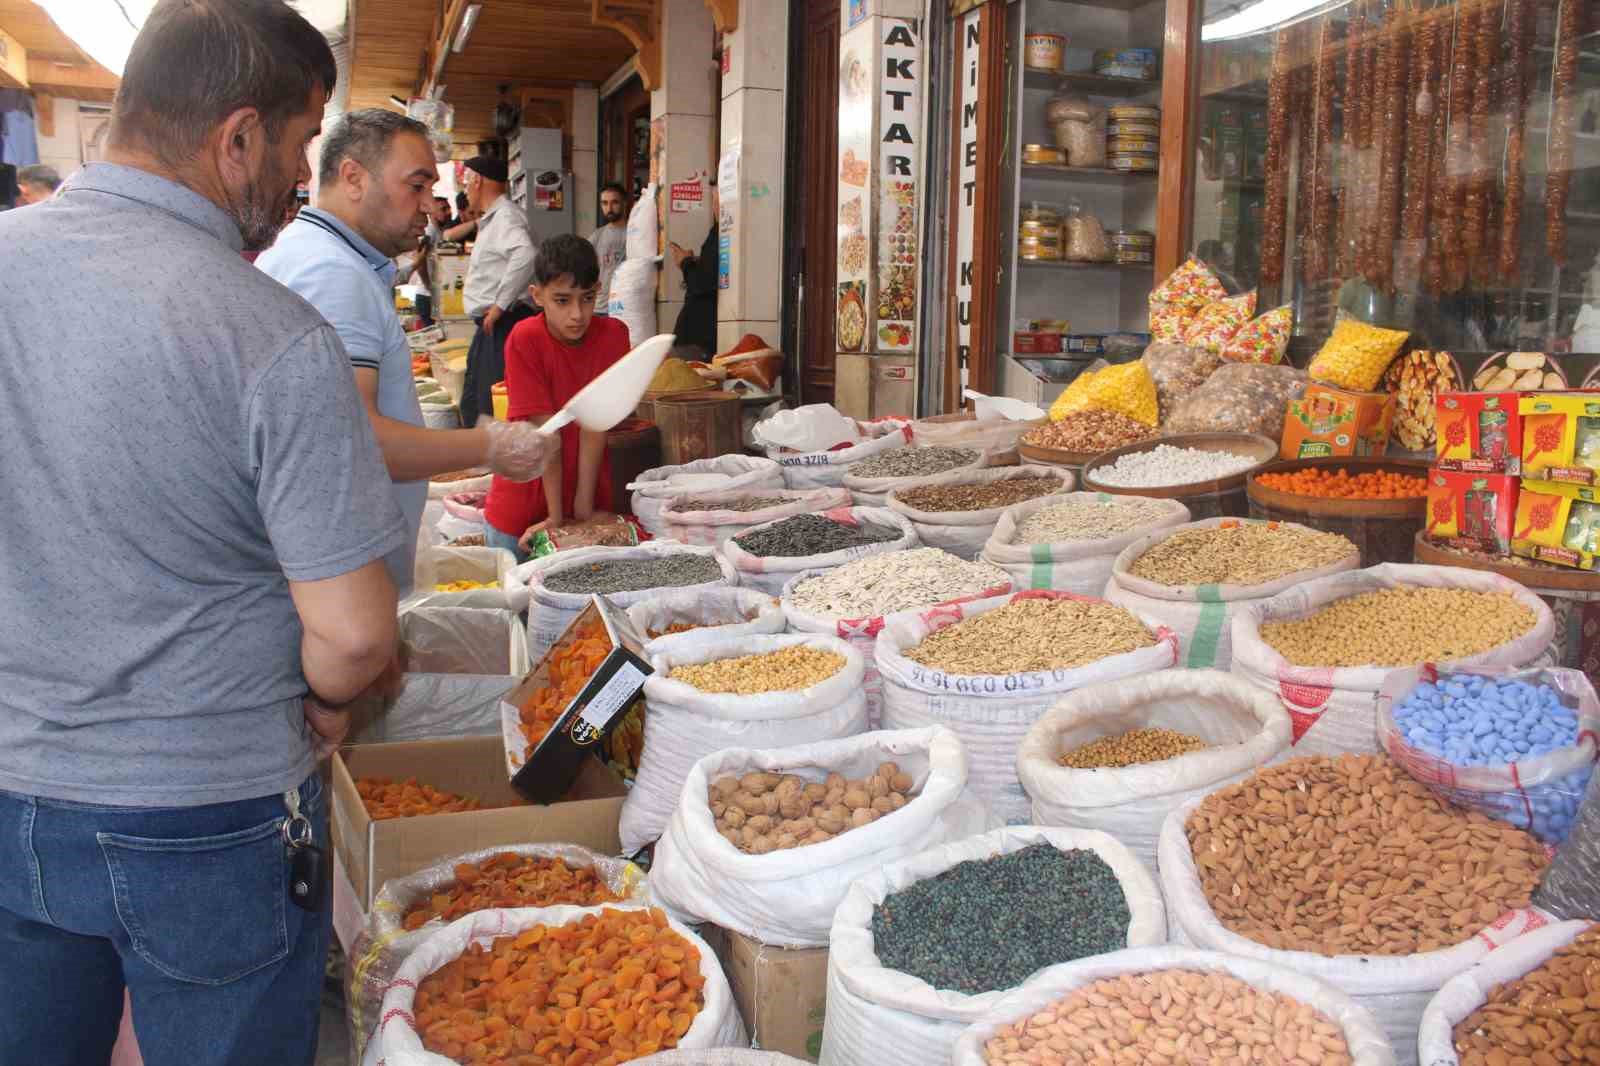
(1081, 566)
(964, 533)
(724, 473)
(770, 573)
(721, 612)
(874, 491)
(813, 470)
(714, 525)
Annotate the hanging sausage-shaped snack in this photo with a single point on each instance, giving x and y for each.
(1350, 97)
(1510, 252)
(1391, 142)
(1273, 221)
(1371, 121)
(1421, 103)
(1439, 219)
(1300, 81)
(1563, 125)
(1457, 155)
(1485, 48)
(1321, 250)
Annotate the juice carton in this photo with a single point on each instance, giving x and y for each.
(1472, 511)
(1558, 523)
(1479, 432)
(1560, 437)
(1327, 421)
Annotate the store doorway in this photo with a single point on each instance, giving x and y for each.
(625, 137)
(812, 195)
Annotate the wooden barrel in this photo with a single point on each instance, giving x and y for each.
(647, 403)
(1384, 530)
(632, 447)
(1216, 498)
(698, 425)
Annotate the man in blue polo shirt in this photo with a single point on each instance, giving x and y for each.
(375, 188)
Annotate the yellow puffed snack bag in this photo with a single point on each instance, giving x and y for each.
(1356, 355)
(1125, 388)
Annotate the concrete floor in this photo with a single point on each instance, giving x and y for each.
(333, 1043)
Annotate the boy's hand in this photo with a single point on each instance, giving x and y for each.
(518, 451)
(525, 542)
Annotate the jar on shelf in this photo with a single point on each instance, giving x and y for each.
(1043, 154)
(1041, 211)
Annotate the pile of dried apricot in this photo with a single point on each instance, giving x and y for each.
(571, 665)
(511, 880)
(598, 991)
(386, 798)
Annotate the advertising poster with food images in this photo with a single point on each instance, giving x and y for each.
(857, 92)
(899, 161)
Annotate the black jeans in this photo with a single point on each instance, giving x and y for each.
(486, 364)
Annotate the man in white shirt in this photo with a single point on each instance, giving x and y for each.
(496, 287)
(610, 240)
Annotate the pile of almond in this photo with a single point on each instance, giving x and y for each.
(762, 812)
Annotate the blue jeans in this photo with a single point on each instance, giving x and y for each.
(496, 539)
(188, 907)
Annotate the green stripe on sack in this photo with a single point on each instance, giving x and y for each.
(1208, 630)
(1043, 567)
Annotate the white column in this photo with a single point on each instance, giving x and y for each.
(585, 157)
(685, 107)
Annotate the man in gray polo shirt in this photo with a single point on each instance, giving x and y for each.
(193, 520)
(374, 187)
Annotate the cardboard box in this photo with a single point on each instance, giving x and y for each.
(1478, 432)
(579, 734)
(1471, 510)
(1558, 523)
(1560, 437)
(372, 852)
(1337, 422)
(781, 993)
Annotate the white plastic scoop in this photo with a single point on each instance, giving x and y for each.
(612, 396)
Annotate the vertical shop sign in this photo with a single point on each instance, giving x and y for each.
(856, 97)
(971, 40)
(727, 212)
(899, 162)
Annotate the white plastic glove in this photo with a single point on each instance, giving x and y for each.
(518, 451)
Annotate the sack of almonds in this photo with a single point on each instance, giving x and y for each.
(958, 511)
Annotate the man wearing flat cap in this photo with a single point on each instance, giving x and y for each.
(496, 291)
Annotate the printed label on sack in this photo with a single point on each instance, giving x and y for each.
(1511, 925)
(622, 687)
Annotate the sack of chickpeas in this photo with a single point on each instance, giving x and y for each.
(678, 618)
(770, 555)
(712, 518)
(958, 511)
(1068, 543)
(923, 947)
(424, 1025)
(839, 808)
(654, 489)
(1120, 755)
(745, 692)
(1325, 647)
(1513, 1002)
(1241, 1004)
(990, 668)
(1344, 868)
(1195, 578)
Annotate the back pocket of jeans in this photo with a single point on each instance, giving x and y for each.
(206, 910)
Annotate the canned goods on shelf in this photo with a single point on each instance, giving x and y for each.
(1132, 162)
(1133, 238)
(1041, 211)
(1043, 153)
(1134, 256)
(1045, 51)
(1132, 146)
(1133, 113)
(1028, 248)
(1128, 128)
(1126, 63)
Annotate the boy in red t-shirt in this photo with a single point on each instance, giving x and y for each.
(548, 359)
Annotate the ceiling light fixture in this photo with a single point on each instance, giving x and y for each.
(1264, 16)
(468, 21)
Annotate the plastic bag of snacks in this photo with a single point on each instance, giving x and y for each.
(1068, 543)
(1356, 355)
(1571, 887)
(401, 917)
(1465, 993)
(1216, 323)
(1363, 1038)
(1125, 388)
(714, 1024)
(712, 518)
(950, 512)
(1264, 339)
(1240, 398)
(1127, 787)
(886, 1017)
(1335, 708)
(1175, 302)
(683, 617)
(725, 473)
(1486, 739)
(785, 896)
(609, 531)
(1177, 370)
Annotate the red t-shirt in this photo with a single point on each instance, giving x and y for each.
(542, 374)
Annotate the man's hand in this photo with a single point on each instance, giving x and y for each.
(490, 317)
(518, 451)
(525, 542)
(330, 726)
(679, 254)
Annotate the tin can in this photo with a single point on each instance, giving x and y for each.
(1132, 162)
(1043, 153)
(1138, 63)
(1045, 51)
(1041, 211)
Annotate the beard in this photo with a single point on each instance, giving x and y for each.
(263, 207)
(614, 216)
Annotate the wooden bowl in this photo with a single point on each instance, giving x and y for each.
(1534, 577)
(1278, 500)
(1262, 449)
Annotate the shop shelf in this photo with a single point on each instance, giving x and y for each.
(1109, 5)
(1096, 175)
(1068, 264)
(1092, 84)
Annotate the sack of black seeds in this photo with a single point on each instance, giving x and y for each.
(958, 511)
(966, 921)
(768, 555)
(711, 518)
(561, 584)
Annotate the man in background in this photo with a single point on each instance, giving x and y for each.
(610, 240)
(496, 289)
(374, 180)
(36, 184)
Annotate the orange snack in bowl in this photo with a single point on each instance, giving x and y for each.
(1343, 485)
(387, 798)
(508, 879)
(600, 991)
(571, 665)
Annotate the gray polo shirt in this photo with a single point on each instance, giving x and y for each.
(191, 441)
(351, 284)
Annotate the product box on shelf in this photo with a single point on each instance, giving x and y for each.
(1560, 437)
(1478, 432)
(1558, 523)
(373, 851)
(581, 730)
(1473, 511)
(781, 993)
(1329, 421)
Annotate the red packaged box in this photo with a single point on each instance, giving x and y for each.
(1478, 432)
(1036, 343)
(1471, 510)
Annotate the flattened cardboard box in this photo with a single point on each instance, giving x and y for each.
(781, 993)
(373, 852)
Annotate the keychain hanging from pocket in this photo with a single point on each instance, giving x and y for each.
(309, 876)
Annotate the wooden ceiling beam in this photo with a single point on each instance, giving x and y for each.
(13, 62)
(439, 53)
(724, 14)
(64, 79)
(640, 22)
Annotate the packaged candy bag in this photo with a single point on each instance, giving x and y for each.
(1356, 355)
(1262, 340)
(1125, 388)
(1217, 322)
(1176, 301)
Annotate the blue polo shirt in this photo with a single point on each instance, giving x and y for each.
(351, 284)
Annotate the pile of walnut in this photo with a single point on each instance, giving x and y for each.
(761, 812)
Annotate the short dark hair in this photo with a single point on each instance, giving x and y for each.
(364, 136)
(564, 254)
(197, 61)
(442, 200)
(39, 174)
(461, 201)
(616, 187)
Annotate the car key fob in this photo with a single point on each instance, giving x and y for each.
(309, 878)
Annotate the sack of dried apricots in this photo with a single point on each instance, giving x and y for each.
(410, 909)
(633, 982)
(786, 895)
(1363, 1039)
(677, 618)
